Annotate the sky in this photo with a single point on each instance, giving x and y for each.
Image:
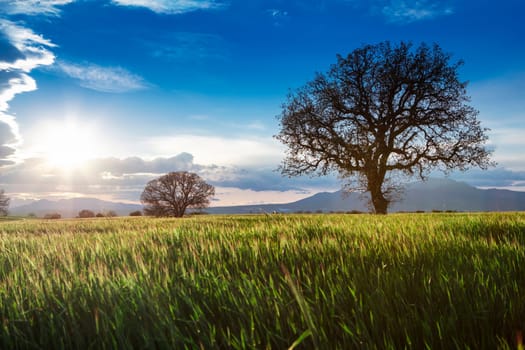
(97, 97)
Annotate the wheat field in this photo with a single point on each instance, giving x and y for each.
(448, 280)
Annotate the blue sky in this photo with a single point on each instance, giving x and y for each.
(99, 96)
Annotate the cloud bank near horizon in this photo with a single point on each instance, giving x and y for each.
(124, 178)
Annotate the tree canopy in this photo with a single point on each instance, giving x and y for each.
(86, 213)
(382, 112)
(173, 193)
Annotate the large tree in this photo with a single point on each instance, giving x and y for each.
(384, 110)
(4, 203)
(173, 193)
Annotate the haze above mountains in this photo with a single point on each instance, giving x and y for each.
(434, 194)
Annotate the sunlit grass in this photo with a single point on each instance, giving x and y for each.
(278, 281)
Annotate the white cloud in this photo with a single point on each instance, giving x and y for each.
(21, 51)
(32, 48)
(278, 16)
(407, 11)
(172, 6)
(104, 79)
(516, 188)
(15, 85)
(124, 180)
(500, 177)
(255, 125)
(33, 7)
(247, 151)
(226, 196)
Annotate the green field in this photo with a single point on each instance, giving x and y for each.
(275, 281)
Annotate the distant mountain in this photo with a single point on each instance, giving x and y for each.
(434, 194)
(444, 194)
(69, 208)
(320, 202)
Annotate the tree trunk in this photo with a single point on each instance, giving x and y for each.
(379, 202)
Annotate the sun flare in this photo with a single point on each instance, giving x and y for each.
(68, 145)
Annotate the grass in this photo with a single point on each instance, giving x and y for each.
(279, 281)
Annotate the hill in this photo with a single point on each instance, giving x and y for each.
(443, 194)
(434, 194)
(69, 208)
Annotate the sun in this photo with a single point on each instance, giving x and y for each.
(67, 145)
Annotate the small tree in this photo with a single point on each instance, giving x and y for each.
(4, 203)
(110, 214)
(136, 213)
(173, 193)
(86, 213)
(53, 216)
(380, 113)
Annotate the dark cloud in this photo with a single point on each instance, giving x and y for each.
(264, 179)
(133, 165)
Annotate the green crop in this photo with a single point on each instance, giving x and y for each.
(264, 281)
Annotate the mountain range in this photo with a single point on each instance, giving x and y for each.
(434, 194)
(69, 208)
